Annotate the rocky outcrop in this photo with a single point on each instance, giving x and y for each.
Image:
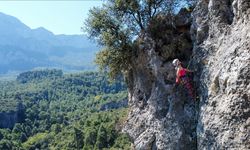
(222, 56)
(114, 105)
(162, 116)
(8, 119)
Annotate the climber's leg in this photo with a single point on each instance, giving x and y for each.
(188, 85)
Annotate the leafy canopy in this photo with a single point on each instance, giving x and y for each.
(117, 23)
(62, 112)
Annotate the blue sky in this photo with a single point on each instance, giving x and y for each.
(60, 17)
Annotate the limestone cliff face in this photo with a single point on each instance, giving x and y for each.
(222, 55)
(162, 116)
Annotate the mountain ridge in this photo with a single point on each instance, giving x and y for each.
(21, 48)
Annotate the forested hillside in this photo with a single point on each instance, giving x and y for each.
(48, 110)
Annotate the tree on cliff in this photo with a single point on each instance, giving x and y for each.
(118, 23)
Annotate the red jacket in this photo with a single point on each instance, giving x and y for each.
(180, 73)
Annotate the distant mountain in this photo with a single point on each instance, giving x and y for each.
(23, 48)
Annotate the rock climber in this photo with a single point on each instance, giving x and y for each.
(183, 78)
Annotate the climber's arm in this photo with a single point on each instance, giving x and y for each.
(189, 70)
(177, 80)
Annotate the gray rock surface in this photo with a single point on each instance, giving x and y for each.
(162, 116)
(222, 54)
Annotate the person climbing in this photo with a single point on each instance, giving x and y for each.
(183, 78)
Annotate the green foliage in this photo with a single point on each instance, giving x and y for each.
(90, 138)
(39, 74)
(117, 23)
(114, 61)
(5, 144)
(107, 27)
(63, 112)
(39, 140)
(96, 132)
(1, 135)
(101, 140)
(8, 105)
(122, 142)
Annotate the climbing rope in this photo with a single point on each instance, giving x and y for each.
(190, 60)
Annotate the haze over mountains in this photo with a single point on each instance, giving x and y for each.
(23, 48)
